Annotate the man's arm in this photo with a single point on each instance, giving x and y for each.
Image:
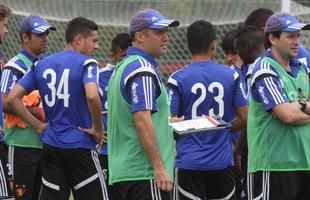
(146, 133)
(14, 101)
(241, 120)
(94, 106)
(290, 113)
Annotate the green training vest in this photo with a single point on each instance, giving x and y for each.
(127, 159)
(273, 145)
(22, 137)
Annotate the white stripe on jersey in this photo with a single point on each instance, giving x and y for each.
(261, 72)
(145, 67)
(16, 66)
(4, 80)
(90, 61)
(173, 81)
(273, 87)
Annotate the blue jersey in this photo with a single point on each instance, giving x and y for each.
(266, 87)
(303, 56)
(61, 79)
(141, 82)
(104, 77)
(205, 88)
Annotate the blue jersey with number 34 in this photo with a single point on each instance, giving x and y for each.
(60, 79)
(205, 88)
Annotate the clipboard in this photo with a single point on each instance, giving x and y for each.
(200, 124)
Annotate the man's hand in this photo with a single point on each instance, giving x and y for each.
(163, 180)
(176, 119)
(41, 128)
(99, 136)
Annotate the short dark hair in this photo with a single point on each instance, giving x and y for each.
(249, 35)
(200, 34)
(228, 42)
(4, 11)
(258, 17)
(121, 40)
(79, 25)
(249, 42)
(267, 41)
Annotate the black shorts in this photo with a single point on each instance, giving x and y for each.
(113, 195)
(203, 184)
(140, 190)
(24, 168)
(75, 169)
(292, 185)
(6, 192)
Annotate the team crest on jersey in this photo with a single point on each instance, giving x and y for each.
(20, 190)
(262, 93)
(135, 98)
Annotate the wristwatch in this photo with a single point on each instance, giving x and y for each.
(303, 104)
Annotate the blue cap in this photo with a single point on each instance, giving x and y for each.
(34, 24)
(150, 18)
(284, 22)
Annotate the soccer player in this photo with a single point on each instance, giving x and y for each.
(119, 47)
(228, 46)
(67, 82)
(204, 160)
(23, 141)
(140, 141)
(250, 45)
(5, 191)
(279, 120)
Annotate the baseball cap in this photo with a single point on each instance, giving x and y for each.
(150, 18)
(282, 21)
(34, 24)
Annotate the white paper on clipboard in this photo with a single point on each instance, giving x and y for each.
(206, 123)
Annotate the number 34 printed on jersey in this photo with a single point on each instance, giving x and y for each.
(218, 99)
(61, 92)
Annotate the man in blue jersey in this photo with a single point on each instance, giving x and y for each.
(140, 144)
(119, 47)
(67, 82)
(5, 191)
(250, 45)
(204, 160)
(279, 116)
(24, 143)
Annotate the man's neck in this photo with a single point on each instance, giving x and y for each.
(239, 63)
(284, 62)
(31, 52)
(201, 58)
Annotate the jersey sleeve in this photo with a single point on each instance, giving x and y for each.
(28, 81)
(174, 96)
(90, 72)
(240, 98)
(143, 93)
(8, 80)
(269, 91)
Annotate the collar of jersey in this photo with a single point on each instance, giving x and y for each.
(136, 51)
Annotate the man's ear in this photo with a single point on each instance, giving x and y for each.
(139, 36)
(79, 39)
(272, 39)
(25, 37)
(213, 45)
